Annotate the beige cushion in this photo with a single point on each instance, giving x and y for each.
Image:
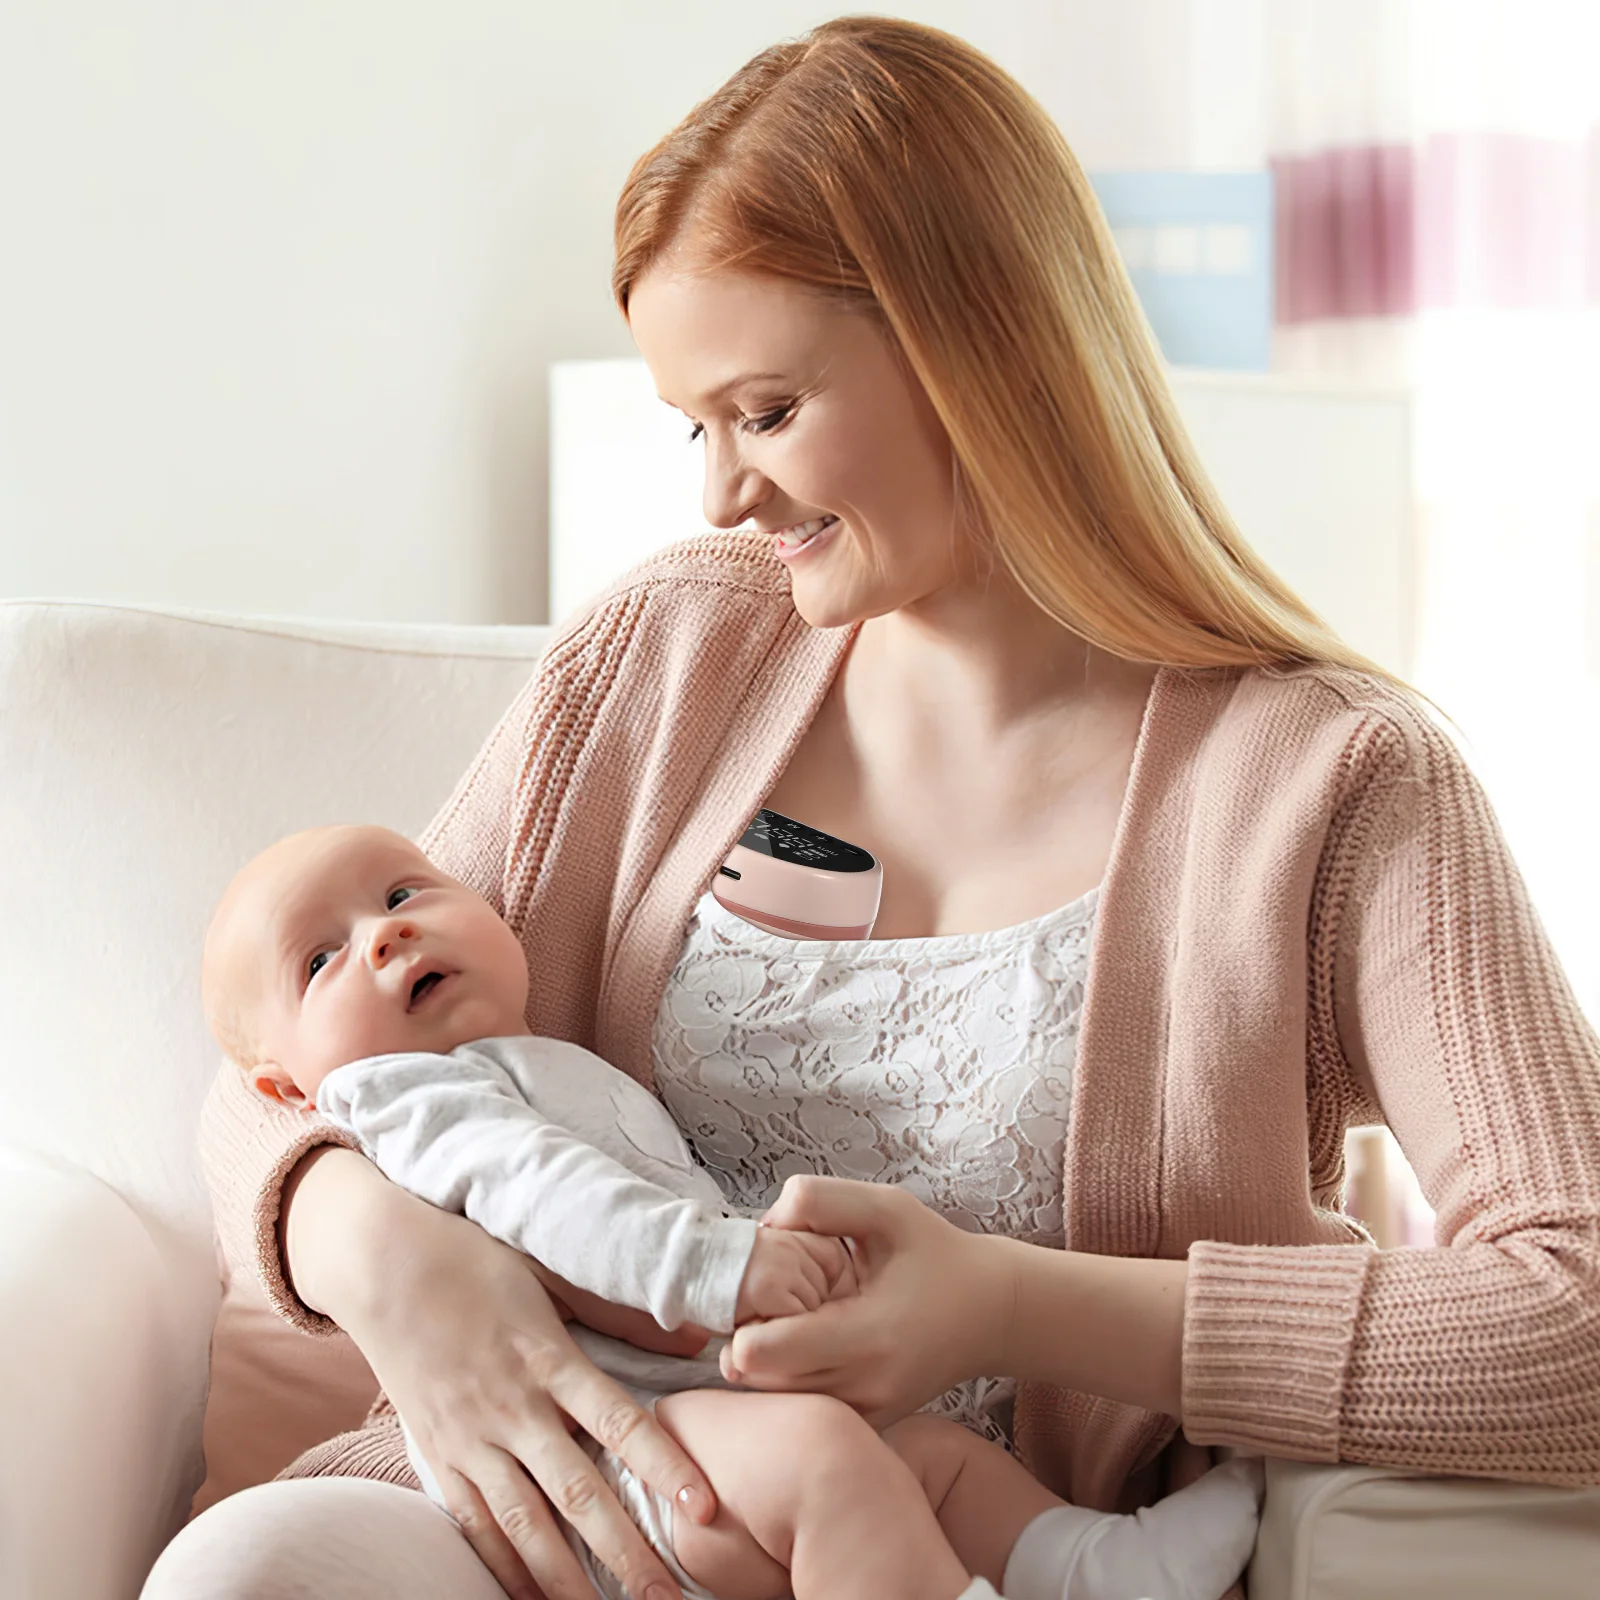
(273, 1394)
(1360, 1533)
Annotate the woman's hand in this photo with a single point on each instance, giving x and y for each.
(932, 1307)
(476, 1358)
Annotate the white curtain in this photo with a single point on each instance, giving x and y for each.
(1437, 168)
(1438, 188)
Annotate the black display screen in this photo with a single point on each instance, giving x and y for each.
(784, 839)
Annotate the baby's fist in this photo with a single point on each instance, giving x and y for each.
(792, 1272)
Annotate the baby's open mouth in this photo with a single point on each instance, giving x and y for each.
(425, 985)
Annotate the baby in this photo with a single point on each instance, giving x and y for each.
(346, 974)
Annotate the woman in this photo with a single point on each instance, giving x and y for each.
(993, 625)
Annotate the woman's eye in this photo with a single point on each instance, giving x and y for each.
(317, 963)
(397, 897)
(695, 432)
(771, 421)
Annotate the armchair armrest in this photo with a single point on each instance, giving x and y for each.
(100, 1392)
(1364, 1533)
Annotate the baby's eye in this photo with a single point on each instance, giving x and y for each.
(397, 897)
(316, 963)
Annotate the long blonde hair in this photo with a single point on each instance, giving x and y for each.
(897, 168)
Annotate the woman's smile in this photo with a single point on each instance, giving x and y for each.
(789, 542)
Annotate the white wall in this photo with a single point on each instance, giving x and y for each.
(1149, 84)
(280, 279)
(279, 283)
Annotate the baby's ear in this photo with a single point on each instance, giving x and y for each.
(269, 1079)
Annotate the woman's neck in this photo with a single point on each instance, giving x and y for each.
(983, 660)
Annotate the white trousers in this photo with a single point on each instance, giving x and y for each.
(322, 1539)
(332, 1539)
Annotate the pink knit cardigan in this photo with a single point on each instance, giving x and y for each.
(1309, 921)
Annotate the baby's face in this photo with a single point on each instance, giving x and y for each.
(341, 943)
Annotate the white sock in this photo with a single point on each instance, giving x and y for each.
(1189, 1546)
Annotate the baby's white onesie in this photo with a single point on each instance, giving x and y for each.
(553, 1150)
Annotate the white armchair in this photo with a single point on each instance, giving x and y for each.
(143, 755)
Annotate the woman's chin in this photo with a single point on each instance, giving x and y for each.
(827, 605)
(830, 617)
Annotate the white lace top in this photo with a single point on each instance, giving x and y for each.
(942, 1064)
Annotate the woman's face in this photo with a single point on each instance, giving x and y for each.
(807, 417)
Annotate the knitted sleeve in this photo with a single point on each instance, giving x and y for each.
(249, 1146)
(1478, 1355)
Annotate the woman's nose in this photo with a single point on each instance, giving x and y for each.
(733, 489)
(387, 940)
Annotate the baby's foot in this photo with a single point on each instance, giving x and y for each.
(1190, 1546)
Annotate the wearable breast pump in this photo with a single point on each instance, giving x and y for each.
(800, 882)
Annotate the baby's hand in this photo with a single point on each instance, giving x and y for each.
(791, 1272)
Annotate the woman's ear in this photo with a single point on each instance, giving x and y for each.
(269, 1079)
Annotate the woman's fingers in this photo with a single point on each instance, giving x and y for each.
(818, 1382)
(486, 1536)
(604, 1410)
(845, 1282)
(512, 1496)
(576, 1493)
(841, 1207)
(788, 1352)
(838, 1267)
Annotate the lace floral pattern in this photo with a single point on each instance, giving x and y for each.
(943, 1065)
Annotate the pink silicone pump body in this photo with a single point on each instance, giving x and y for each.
(800, 883)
